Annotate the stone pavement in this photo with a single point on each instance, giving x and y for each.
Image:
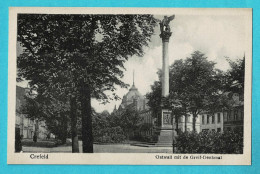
(110, 148)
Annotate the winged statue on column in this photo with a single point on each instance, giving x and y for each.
(164, 24)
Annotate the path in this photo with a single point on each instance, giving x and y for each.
(111, 148)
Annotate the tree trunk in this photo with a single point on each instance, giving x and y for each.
(185, 124)
(186, 120)
(87, 137)
(64, 125)
(194, 122)
(177, 123)
(74, 130)
(36, 133)
(175, 129)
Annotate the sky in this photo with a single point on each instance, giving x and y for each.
(217, 36)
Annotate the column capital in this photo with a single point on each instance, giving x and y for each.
(165, 35)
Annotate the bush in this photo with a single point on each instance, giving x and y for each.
(145, 138)
(210, 142)
(110, 135)
(116, 134)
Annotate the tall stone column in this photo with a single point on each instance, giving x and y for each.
(165, 65)
(165, 130)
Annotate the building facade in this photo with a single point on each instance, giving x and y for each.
(234, 117)
(181, 124)
(25, 126)
(231, 118)
(212, 122)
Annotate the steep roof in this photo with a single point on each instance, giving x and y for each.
(133, 93)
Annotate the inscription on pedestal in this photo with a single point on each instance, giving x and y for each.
(167, 118)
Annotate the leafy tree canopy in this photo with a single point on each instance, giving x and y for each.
(235, 76)
(66, 51)
(195, 86)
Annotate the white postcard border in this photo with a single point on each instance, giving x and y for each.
(127, 158)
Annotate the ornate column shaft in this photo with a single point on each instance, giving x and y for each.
(165, 65)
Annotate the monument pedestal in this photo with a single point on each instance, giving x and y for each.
(165, 129)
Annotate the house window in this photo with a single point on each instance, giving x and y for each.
(207, 119)
(235, 115)
(213, 119)
(228, 115)
(218, 129)
(232, 115)
(218, 117)
(239, 114)
(225, 116)
(203, 119)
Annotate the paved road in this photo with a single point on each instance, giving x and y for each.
(113, 148)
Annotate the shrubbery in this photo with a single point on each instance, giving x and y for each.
(142, 138)
(110, 135)
(230, 142)
(116, 128)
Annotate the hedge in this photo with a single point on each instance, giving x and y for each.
(230, 142)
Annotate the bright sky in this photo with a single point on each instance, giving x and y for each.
(215, 36)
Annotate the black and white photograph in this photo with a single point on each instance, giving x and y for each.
(130, 86)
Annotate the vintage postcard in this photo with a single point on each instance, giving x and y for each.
(135, 86)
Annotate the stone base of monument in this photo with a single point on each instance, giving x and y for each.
(163, 133)
(164, 138)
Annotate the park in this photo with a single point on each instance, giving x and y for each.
(71, 61)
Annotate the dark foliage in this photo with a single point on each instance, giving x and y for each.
(80, 55)
(195, 86)
(104, 131)
(230, 142)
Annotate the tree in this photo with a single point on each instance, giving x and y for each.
(32, 109)
(177, 92)
(53, 83)
(107, 128)
(200, 82)
(82, 54)
(235, 76)
(195, 87)
(52, 111)
(155, 98)
(100, 125)
(130, 121)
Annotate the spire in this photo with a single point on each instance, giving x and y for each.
(133, 86)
